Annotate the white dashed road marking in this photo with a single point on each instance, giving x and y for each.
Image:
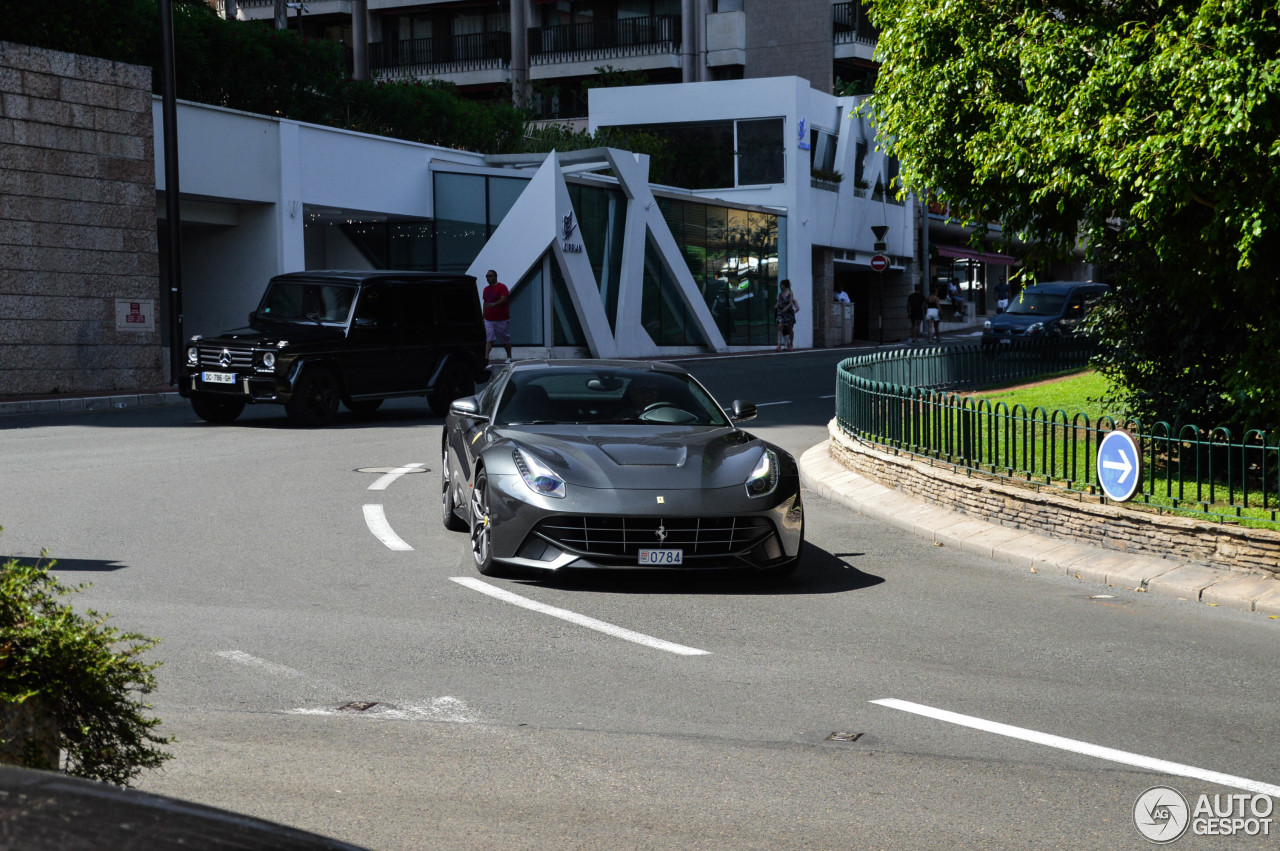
(1049, 740)
(388, 478)
(242, 658)
(580, 620)
(376, 520)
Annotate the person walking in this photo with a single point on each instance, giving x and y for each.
(1002, 296)
(784, 310)
(933, 313)
(915, 312)
(497, 314)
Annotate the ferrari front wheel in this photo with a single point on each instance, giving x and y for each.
(481, 532)
(448, 511)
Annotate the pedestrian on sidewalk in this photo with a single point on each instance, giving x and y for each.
(933, 313)
(915, 312)
(785, 309)
(497, 315)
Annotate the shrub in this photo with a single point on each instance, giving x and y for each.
(83, 673)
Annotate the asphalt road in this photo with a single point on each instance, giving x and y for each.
(250, 550)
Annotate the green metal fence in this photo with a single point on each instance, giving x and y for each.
(908, 400)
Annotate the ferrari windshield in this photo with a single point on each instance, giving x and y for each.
(605, 395)
(307, 301)
(1032, 303)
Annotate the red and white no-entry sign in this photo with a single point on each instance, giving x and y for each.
(879, 263)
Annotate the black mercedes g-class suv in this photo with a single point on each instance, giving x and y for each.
(358, 337)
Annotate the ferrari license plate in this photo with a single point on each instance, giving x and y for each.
(218, 377)
(662, 557)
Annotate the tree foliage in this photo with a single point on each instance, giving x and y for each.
(1146, 130)
(88, 674)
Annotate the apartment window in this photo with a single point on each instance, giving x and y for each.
(723, 154)
(822, 150)
(760, 152)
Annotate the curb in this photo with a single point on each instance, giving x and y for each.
(75, 404)
(1233, 589)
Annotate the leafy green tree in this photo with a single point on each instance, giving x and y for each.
(84, 674)
(1146, 130)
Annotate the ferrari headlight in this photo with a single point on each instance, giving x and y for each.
(764, 478)
(538, 476)
(1035, 328)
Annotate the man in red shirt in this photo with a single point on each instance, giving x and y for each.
(497, 314)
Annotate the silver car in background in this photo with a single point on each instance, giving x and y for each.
(615, 464)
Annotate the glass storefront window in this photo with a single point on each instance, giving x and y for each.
(503, 192)
(566, 329)
(411, 245)
(602, 216)
(461, 219)
(526, 309)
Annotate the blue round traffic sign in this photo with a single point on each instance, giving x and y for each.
(1119, 465)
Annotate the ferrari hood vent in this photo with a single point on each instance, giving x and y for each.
(645, 454)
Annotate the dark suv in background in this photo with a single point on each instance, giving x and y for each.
(1043, 311)
(358, 337)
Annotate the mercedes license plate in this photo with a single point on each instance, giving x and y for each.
(662, 557)
(218, 377)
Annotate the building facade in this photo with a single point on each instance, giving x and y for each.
(549, 53)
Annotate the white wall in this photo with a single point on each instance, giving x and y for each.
(840, 220)
(262, 173)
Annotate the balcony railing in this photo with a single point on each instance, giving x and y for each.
(473, 52)
(604, 39)
(849, 24)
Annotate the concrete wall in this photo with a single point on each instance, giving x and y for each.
(77, 225)
(790, 38)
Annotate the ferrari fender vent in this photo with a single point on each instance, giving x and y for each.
(624, 537)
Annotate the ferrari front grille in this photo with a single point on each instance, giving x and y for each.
(623, 537)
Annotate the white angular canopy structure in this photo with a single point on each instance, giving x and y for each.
(543, 223)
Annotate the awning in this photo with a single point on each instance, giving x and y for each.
(960, 253)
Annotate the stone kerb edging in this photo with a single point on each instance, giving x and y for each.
(1058, 514)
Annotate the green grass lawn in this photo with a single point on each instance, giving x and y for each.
(1076, 392)
(1081, 392)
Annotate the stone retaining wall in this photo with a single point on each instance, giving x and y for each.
(79, 268)
(1060, 514)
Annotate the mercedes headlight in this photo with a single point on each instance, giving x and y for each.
(193, 356)
(267, 361)
(764, 478)
(538, 476)
(986, 326)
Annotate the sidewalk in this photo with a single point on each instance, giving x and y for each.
(830, 479)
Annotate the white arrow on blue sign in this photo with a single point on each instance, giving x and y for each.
(1119, 465)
